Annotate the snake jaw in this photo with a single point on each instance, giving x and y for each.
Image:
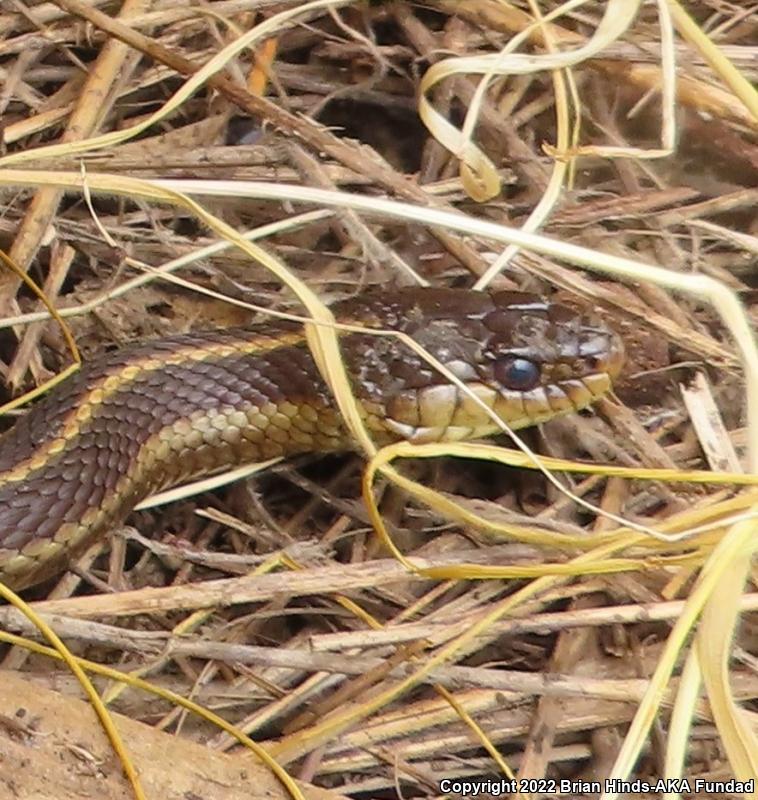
(453, 415)
(446, 413)
(583, 370)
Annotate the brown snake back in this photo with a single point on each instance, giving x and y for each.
(154, 415)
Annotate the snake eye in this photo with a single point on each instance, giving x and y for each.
(516, 373)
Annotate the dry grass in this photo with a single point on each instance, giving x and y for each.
(526, 633)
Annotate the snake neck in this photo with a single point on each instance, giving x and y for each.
(150, 418)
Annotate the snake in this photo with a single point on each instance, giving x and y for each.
(155, 414)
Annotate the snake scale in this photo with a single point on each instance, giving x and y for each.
(153, 415)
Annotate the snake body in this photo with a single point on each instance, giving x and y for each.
(154, 415)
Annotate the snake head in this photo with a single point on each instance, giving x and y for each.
(525, 359)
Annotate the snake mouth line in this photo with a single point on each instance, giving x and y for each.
(452, 415)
